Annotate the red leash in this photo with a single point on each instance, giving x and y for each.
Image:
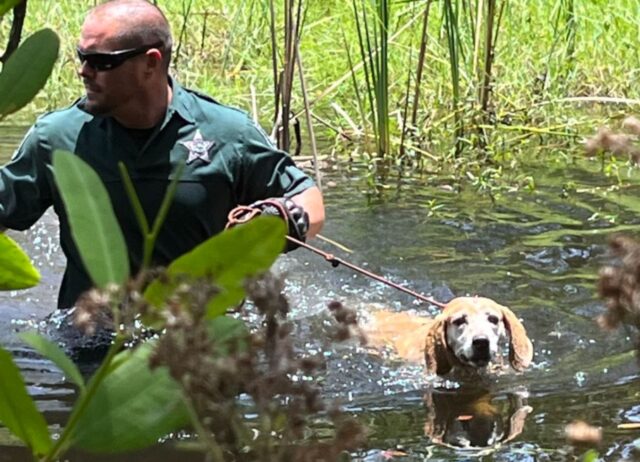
(335, 261)
(242, 214)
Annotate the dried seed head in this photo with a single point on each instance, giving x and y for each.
(93, 310)
(581, 433)
(632, 124)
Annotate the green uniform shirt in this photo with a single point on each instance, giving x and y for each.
(230, 161)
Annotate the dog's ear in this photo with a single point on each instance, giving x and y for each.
(433, 427)
(436, 353)
(520, 347)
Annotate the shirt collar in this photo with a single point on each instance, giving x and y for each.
(179, 103)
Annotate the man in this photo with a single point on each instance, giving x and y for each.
(134, 113)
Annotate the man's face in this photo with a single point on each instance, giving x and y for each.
(108, 91)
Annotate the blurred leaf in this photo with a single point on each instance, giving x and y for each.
(93, 223)
(590, 456)
(229, 334)
(6, 5)
(18, 411)
(227, 259)
(53, 352)
(16, 270)
(27, 70)
(132, 408)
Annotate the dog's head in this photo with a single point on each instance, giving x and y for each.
(467, 334)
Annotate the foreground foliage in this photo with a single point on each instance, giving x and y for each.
(189, 376)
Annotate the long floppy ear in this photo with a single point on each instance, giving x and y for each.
(436, 353)
(520, 347)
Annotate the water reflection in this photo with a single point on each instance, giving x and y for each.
(536, 252)
(474, 418)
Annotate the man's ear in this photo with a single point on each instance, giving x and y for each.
(437, 356)
(520, 347)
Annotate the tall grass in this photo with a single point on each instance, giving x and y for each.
(496, 79)
(372, 26)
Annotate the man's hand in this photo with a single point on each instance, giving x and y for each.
(293, 214)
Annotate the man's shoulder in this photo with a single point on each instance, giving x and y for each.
(208, 108)
(64, 120)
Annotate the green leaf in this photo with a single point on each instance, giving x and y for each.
(227, 259)
(132, 408)
(53, 352)
(18, 411)
(590, 456)
(6, 5)
(27, 70)
(94, 226)
(16, 270)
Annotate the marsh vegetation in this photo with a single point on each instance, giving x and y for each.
(471, 88)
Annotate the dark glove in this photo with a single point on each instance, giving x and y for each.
(293, 214)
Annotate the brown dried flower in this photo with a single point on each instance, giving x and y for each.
(94, 309)
(580, 433)
(264, 366)
(619, 284)
(606, 140)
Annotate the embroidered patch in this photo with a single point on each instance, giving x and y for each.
(198, 148)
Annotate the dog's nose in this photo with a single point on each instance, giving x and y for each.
(480, 346)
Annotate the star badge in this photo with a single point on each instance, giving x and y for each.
(198, 148)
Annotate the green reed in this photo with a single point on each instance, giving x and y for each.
(501, 70)
(372, 26)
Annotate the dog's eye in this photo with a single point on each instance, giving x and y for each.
(459, 321)
(493, 319)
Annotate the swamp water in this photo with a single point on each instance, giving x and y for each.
(536, 252)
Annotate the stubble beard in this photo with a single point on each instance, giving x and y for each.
(94, 107)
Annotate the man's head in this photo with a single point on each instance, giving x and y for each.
(125, 50)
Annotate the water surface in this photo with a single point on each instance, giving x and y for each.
(536, 252)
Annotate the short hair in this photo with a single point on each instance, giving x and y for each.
(143, 23)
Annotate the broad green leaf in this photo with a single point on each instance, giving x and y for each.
(132, 408)
(6, 5)
(27, 70)
(16, 270)
(94, 226)
(53, 352)
(18, 411)
(227, 259)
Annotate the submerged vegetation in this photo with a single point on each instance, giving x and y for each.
(471, 87)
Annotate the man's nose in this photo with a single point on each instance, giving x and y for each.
(85, 70)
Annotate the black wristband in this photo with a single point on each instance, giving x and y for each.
(296, 217)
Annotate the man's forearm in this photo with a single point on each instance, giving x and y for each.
(311, 201)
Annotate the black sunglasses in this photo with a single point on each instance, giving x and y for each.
(112, 59)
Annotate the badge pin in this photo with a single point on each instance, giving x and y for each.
(198, 148)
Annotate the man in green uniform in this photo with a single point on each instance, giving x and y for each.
(134, 113)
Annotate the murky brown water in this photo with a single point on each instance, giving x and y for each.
(537, 252)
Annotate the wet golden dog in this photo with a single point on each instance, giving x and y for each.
(466, 336)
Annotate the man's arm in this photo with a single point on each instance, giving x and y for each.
(311, 202)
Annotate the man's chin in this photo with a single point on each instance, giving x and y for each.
(95, 107)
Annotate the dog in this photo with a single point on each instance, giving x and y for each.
(464, 338)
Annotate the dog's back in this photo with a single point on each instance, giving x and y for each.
(403, 333)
